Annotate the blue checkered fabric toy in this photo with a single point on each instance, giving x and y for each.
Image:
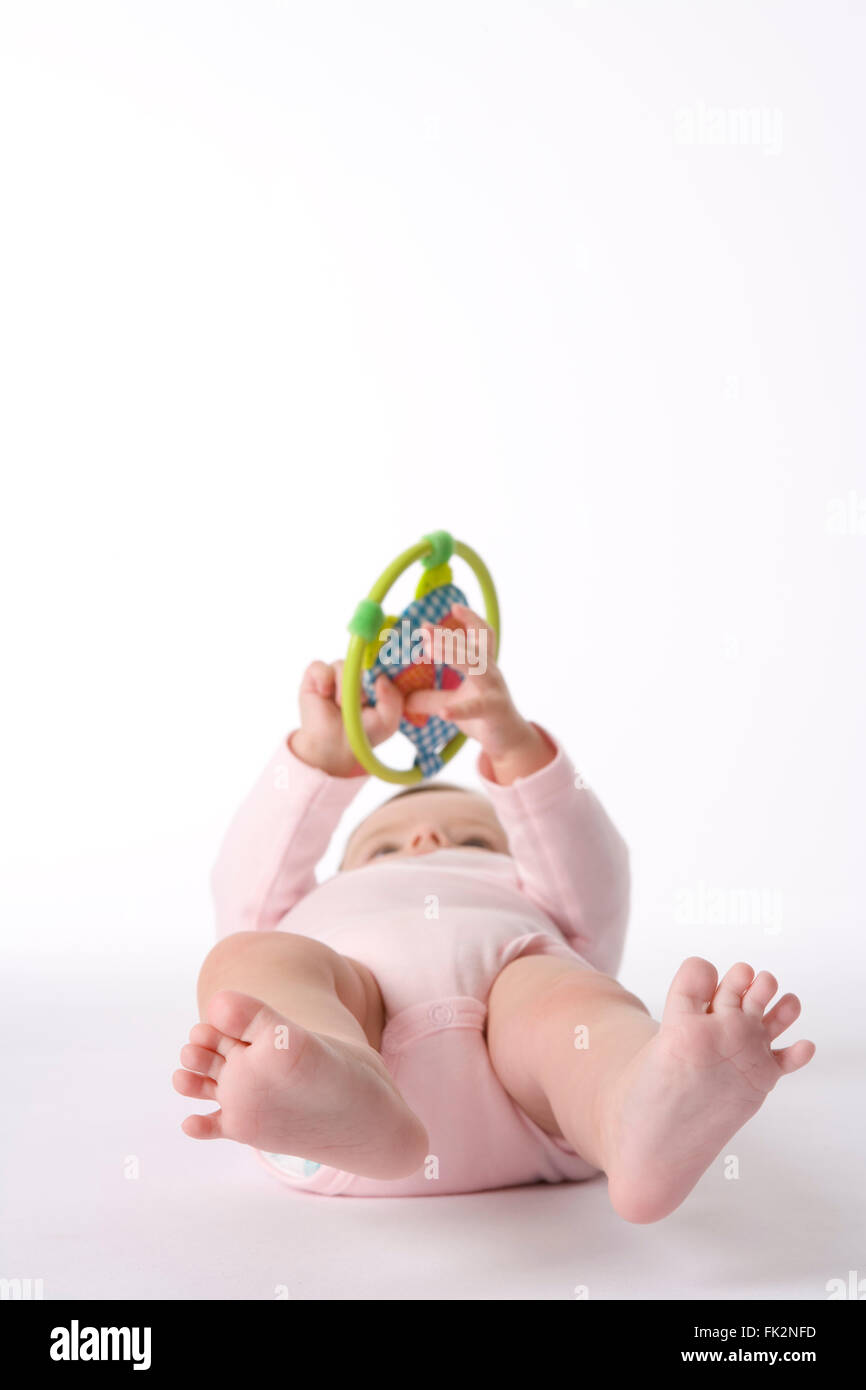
(395, 661)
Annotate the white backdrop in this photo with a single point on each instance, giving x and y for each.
(286, 285)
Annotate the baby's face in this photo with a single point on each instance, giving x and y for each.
(425, 822)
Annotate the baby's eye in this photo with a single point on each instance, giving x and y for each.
(477, 842)
(383, 849)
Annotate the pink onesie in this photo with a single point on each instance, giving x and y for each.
(435, 930)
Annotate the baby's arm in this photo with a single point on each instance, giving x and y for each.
(267, 860)
(571, 859)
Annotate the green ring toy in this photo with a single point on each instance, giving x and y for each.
(433, 551)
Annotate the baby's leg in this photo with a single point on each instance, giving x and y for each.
(288, 1050)
(650, 1104)
(303, 979)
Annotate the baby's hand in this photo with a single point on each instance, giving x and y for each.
(321, 740)
(482, 707)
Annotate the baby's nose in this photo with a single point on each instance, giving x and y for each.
(426, 838)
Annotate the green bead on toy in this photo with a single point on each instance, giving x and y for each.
(434, 552)
(442, 543)
(367, 620)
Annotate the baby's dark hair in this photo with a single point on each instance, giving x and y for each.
(433, 787)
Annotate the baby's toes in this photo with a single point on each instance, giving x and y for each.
(239, 1016)
(189, 1083)
(759, 994)
(733, 986)
(691, 989)
(203, 1126)
(201, 1059)
(205, 1035)
(794, 1057)
(781, 1016)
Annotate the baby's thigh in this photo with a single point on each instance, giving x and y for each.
(286, 969)
(523, 1011)
(373, 1020)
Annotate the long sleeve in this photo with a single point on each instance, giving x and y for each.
(267, 860)
(570, 858)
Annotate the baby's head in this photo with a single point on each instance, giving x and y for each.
(424, 819)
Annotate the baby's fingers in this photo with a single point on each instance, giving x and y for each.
(453, 705)
(470, 621)
(337, 668)
(430, 702)
(389, 702)
(384, 718)
(319, 679)
(471, 648)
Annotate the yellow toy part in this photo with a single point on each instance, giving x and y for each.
(372, 649)
(433, 578)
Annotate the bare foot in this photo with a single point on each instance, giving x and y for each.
(695, 1083)
(284, 1089)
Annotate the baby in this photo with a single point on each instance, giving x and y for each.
(443, 1015)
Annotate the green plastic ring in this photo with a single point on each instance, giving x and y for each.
(425, 551)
